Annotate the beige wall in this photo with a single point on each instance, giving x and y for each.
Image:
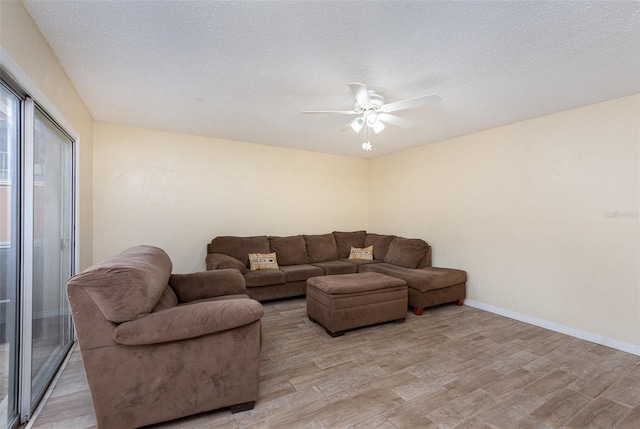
(22, 40)
(543, 214)
(529, 210)
(179, 191)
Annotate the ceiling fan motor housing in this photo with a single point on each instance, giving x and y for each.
(377, 101)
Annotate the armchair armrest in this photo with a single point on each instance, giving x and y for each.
(188, 321)
(207, 284)
(220, 261)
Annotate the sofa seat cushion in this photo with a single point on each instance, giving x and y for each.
(297, 273)
(359, 262)
(380, 244)
(337, 267)
(406, 252)
(240, 247)
(290, 250)
(264, 278)
(128, 285)
(346, 240)
(321, 248)
(423, 279)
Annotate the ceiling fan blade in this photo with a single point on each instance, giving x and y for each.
(411, 103)
(361, 93)
(342, 112)
(395, 120)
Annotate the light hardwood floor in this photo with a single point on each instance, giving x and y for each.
(453, 367)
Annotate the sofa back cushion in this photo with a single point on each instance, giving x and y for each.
(321, 248)
(240, 247)
(406, 252)
(346, 240)
(289, 250)
(380, 244)
(127, 285)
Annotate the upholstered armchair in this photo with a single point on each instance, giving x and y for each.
(157, 346)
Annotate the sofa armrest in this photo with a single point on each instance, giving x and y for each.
(182, 322)
(220, 261)
(207, 284)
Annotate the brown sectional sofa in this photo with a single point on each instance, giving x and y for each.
(301, 257)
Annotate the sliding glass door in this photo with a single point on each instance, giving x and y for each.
(52, 250)
(36, 252)
(9, 254)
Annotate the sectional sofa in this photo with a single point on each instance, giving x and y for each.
(293, 260)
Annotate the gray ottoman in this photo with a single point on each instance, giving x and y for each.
(348, 301)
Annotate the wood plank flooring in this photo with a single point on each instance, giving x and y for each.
(453, 367)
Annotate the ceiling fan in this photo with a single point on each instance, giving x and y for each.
(371, 110)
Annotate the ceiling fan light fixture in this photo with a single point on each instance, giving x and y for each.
(357, 124)
(372, 119)
(378, 126)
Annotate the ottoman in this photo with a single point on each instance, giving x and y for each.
(347, 301)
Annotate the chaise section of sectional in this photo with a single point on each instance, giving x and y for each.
(409, 259)
(426, 287)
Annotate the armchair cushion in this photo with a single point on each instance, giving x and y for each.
(220, 261)
(168, 299)
(188, 321)
(207, 284)
(128, 285)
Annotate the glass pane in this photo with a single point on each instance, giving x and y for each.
(9, 128)
(52, 251)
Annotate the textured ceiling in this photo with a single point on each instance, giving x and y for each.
(244, 70)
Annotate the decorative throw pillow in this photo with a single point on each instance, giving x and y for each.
(263, 261)
(361, 253)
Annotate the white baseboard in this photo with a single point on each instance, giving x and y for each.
(556, 327)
